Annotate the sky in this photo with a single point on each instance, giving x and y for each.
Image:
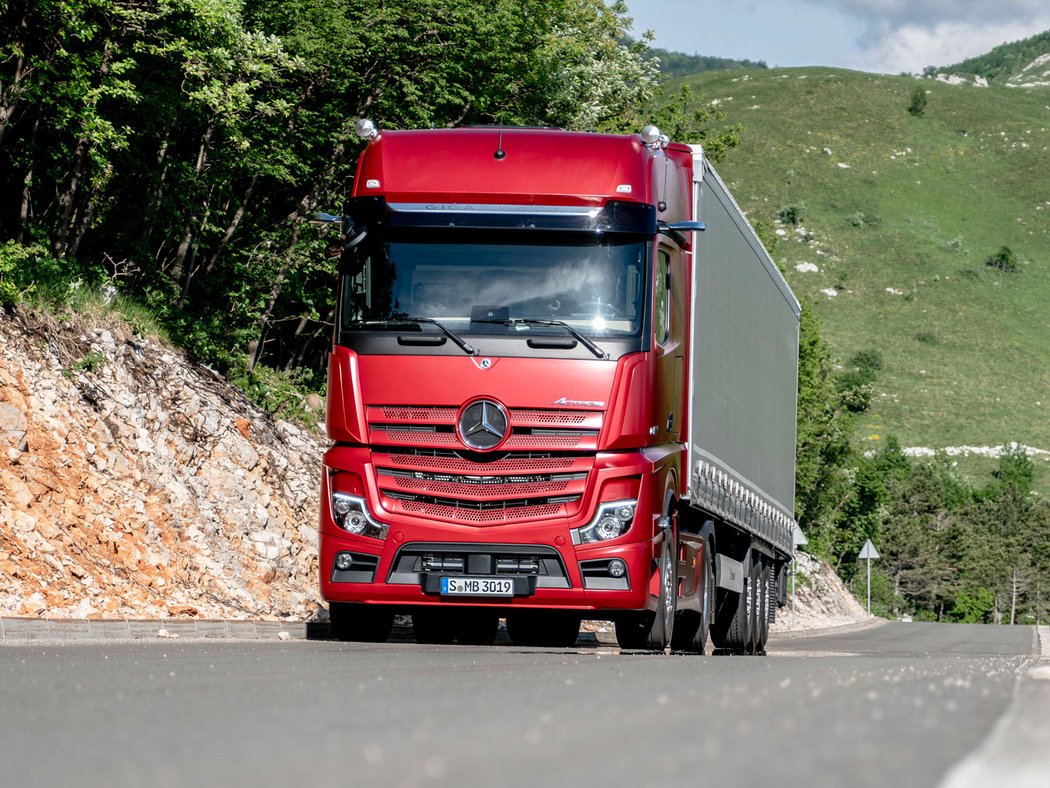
(883, 36)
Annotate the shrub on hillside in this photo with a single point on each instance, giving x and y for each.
(917, 105)
(1003, 260)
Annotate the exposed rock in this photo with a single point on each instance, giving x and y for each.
(821, 599)
(135, 484)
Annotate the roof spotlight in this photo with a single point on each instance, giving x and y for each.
(651, 135)
(366, 129)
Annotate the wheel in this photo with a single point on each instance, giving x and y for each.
(734, 616)
(432, 626)
(662, 631)
(691, 631)
(651, 629)
(361, 623)
(549, 628)
(754, 632)
(475, 626)
(762, 608)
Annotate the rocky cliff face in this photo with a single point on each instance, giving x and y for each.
(133, 483)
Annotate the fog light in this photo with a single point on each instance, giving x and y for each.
(343, 561)
(617, 568)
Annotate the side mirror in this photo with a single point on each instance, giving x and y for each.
(676, 230)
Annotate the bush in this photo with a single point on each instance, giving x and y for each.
(1003, 260)
(917, 105)
(16, 274)
(791, 214)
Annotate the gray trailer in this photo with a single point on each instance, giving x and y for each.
(743, 393)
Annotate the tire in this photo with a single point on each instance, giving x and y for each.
(662, 630)
(754, 630)
(360, 623)
(547, 629)
(765, 601)
(433, 626)
(475, 626)
(734, 617)
(651, 629)
(692, 629)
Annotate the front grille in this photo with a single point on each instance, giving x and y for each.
(482, 489)
(530, 428)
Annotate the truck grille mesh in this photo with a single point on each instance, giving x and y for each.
(439, 511)
(541, 470)
(530, 428)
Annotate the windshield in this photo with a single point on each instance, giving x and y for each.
(482, 282)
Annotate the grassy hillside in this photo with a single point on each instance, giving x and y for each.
(899, 214)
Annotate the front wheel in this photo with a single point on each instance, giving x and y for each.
(692, 630)
(653, 629)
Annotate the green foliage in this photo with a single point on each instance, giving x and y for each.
(283, 394)
(92, 362)
(791, 214)
(1005, 61)
(1015, 469)
(679, 64)
(917, 104)
(1003, 260)
(823, 450)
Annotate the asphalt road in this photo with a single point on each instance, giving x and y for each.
(899, 704)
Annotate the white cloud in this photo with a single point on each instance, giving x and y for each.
(912, 47)
(908, 35)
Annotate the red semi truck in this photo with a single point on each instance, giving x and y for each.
(562, 386)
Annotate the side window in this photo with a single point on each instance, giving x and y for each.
(661, 288)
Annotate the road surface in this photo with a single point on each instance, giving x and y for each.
(898, 704)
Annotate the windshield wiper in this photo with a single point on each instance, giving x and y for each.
(401, 321)
(524, 321)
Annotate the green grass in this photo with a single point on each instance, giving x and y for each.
(920, 206)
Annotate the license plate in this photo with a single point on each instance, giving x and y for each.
(477, 586)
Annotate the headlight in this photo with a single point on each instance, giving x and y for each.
(612, 520)
(351, 514)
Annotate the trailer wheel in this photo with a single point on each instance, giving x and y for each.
(549, 628)
(763, 589)
(734, 616)
(754, 632)
(360, 623)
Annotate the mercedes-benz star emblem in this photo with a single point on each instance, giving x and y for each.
(483, 424)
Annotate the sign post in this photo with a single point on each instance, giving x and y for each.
(799, 539)
(869, 552)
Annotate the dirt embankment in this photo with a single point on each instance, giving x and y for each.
(134, 484)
